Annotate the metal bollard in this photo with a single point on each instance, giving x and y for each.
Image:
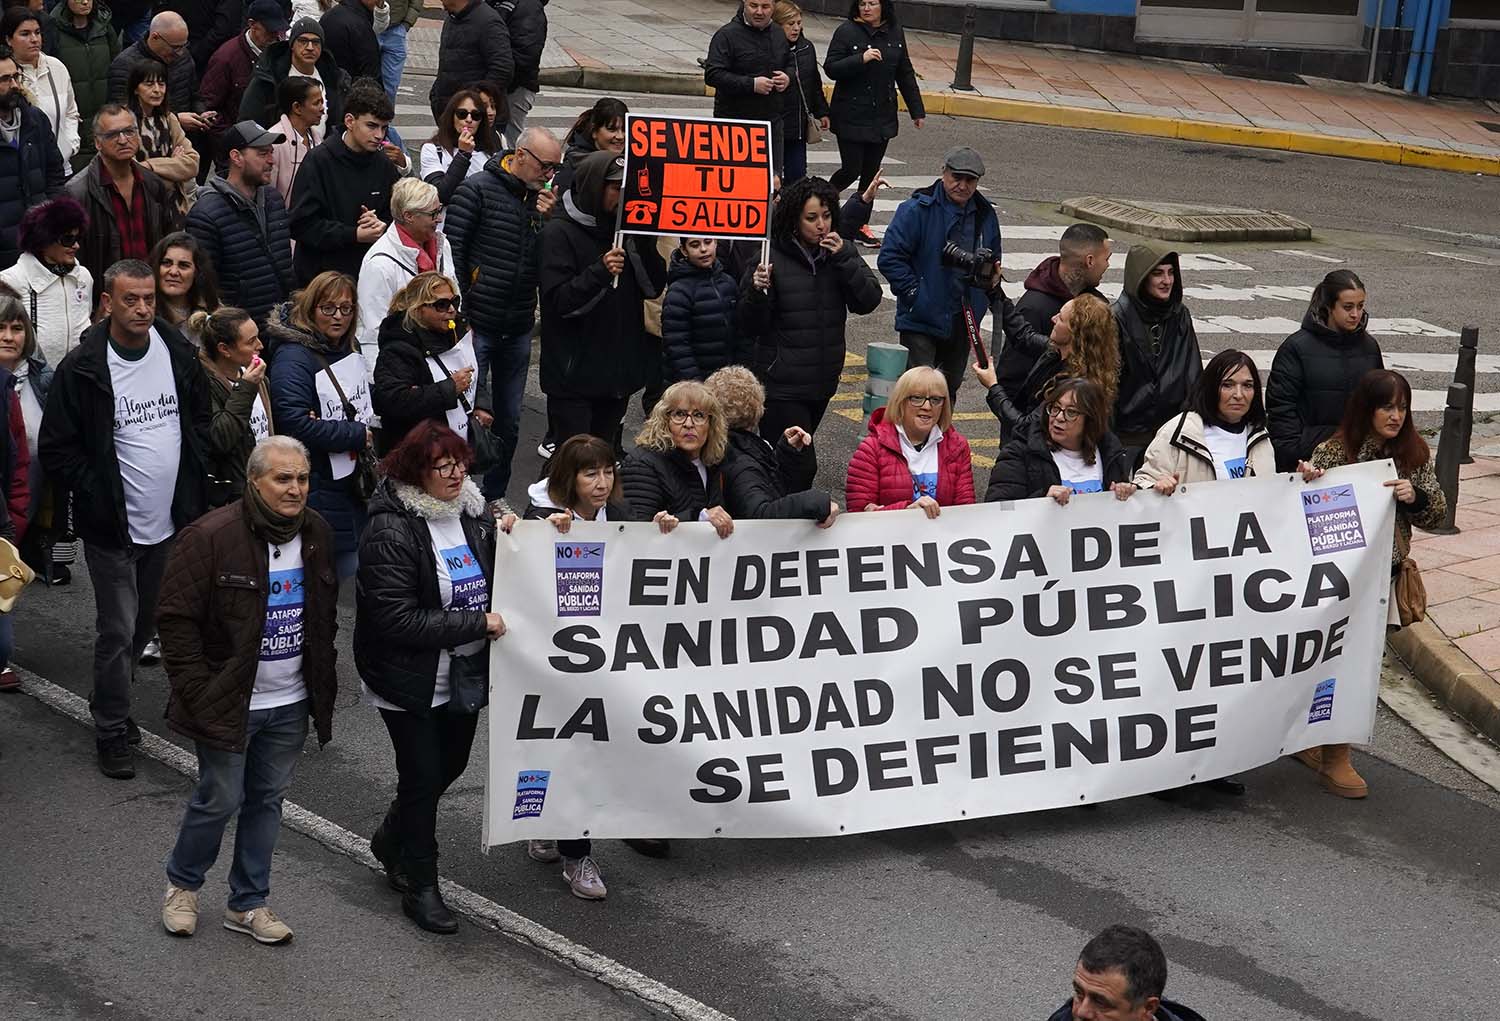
(963, 73)
(1448, 455)
(1468, 350)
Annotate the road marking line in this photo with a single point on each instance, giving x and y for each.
(1280, 326)
(1472, 259)
(1401, 361)
(1195, 262)
(1307, 255)
(481, 910)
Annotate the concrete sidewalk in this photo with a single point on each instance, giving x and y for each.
(654, 45)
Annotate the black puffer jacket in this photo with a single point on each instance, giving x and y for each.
(1015, 406)
(404, 392)
(258, 104)
(349, 34)
(250, 244)
(667, 480)
(1025, 468)
(400, 625)
(594, 339)
(760, 482)
(739, 54)
(1159, 356)
(31, 172)
(864, 93)
(474, 47)
(697, 321)
(331, 186)
(526, 21)
(182, 74)
(805, 97)
(1312, 375)
(799, 323)
(496, 235)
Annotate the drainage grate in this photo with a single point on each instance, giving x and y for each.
(1264, 74)
(1489, 126)
(1174, 222)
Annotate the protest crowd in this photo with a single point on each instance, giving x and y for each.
(253, 348)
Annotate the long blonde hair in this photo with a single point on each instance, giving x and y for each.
(1095, 354)
(656, 432)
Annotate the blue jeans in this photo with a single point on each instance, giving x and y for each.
(392, 60)
(506, 359)
(795, 166)
(252, 783)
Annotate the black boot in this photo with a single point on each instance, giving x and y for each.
(386, 847)
(1224, 785)
(651, 848)
(422, 901)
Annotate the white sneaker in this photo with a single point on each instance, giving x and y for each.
(544, 851)
(546, 448)
(179, 911)
(151, 654)
(583, 878)
(259, 923)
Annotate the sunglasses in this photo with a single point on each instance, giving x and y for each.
(444, 305)
(468, 115)
(69, 240)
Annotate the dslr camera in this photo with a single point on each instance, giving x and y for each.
(978, 266)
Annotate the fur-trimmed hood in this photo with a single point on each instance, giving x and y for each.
(428, 507)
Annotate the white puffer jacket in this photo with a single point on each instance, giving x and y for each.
(59, 305)
(51, 91)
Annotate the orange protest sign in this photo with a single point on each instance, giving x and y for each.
(696, 176)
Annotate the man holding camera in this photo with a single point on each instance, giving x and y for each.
(939, 255)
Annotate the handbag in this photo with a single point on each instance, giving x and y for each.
(812, 129)
(469, 682)
(365, 477)
(485, 444)
(1411, 593)
(15, 575)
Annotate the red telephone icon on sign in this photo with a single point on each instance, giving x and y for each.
(640, 212)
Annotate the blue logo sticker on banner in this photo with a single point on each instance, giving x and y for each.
(531, 792)
(1322, 703)
(580, 578)
(1333, 523)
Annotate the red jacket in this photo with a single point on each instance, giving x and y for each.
(878, 472)
(18, 459)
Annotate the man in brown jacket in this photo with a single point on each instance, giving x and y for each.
(247, 624)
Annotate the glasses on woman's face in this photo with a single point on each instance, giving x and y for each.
(431, 214)
(467, 114)
(443, 305)
(1067, 414)
(70, 239)
(450, 469)
(923, 400)
(336, 311)
(681, 416)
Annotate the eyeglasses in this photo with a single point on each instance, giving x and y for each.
(547, 168)
(175, 48)
(468, 115)
(69, 240)
(10, 79)
(307, 40)
(443, 305)
(330, 311)
(923, 400)
(450, 469)
(682, 417)
(431, 214)
(1068, 415)
(119, 133)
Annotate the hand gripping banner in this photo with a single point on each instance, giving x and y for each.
(893, 670)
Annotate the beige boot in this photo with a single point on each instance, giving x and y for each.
(1312, 758)
(1339, 776)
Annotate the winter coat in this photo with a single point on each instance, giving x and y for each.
(230, 438)
(1168, 1011)
(576, 146)
(1159, 357)
(1025, 469)
(274, 67)
(878, 472)
(31, 172)
(667, 480)
(1314, 372)
(526, 22)
(331, 186)
(1046, 294)
(296, 410)
(446, 169)
(349, 34)
(594, 340)
(287, 157)
(928, 293)
(404, 392)
(182, 76)
(52, 93)
(15, 462)
(798, 325)
(166, 151)
(60, 306)
(1179, 449)
(101, 242)
(698, 334)
(211, 618)
(1426, 511)
(226, 75)
(35, 376)
(737, 55)
(87, 54)
(765, 482)
(805, 96)
(248, 242)
(540, 506)
(864, 94)
(1016, 406)
(474, 47)
(77, 441)
(389, 266)
(209, 22)
(400, 626)
(496, 236)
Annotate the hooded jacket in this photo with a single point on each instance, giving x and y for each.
(879, 474)
(698, 334)
(248, 241)
(1314, 372)
(1159, 356)
(31, 172)
(765, 482)
(928, 293)
(87, 53)
(594, 340)
(474, 47)
(540, 505)
(1025, 469)
(274, 66)
(212, 615)
(495, 234)
(331, 186)
(182, 75)
(864, 94)
(1180, 449)
(667, 480)
(405, 392)
(737, 55)
(526, 23)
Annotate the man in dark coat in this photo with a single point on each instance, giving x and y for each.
(748, 66)
(1080, 263)
(1120, 977)
(526, 22)
(248, 615)
(228, 70)
(31, 168)
(1159, 356)
(349, 34)
(167, 42)
(241, 223)
(123, 431)
(474, 47)
(301, 54)
(209, 23)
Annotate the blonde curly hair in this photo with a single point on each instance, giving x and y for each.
(740, 395)
(656, 432)
(1096, 346)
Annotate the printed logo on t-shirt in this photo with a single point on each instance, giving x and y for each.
(924, 484)
(282, 636)
(143, 416)
(469, 589)
(1234, 468)
(1084, 485)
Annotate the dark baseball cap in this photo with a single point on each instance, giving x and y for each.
(268, 14)
(616, 172)
(964, 160)
(250, 135)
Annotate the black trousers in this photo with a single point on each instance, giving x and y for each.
(571, 416)
(857, 159)
(432, 751)
(782, 414)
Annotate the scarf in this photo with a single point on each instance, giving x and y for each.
(428, 507)
(268, 525)
(426, 253)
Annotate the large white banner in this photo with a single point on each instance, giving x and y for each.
(892, 671)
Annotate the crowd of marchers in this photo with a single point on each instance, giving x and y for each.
(251, 348)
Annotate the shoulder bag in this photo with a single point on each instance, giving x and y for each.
(366, 475)
(484, 443)
(1411, 593)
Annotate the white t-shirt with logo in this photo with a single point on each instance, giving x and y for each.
(278, 678)
(350, 370)
(923, 463)
(1228, 449)
(148, 438)
(1077, 475)
(454, 361)
(260, 417)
